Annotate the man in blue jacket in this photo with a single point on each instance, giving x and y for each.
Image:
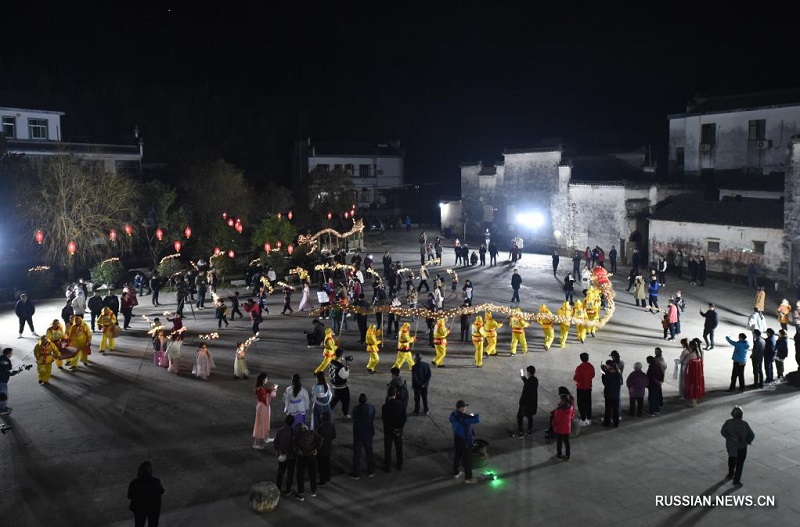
(462, 437)
(739, 358)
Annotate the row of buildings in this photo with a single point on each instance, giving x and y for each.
(733, 172)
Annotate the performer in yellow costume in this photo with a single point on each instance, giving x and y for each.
(45, 352)
(490, 327)
(79, 336)
(592, 308)
(546, 321)
(373, 341)
(404, 342)
(55, 334)
(579, 314)
(564, 315)
(440, 333)
(478, 334)
(328, 350)
(106, 321)
(518, 325)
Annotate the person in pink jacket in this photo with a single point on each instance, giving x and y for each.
(672, 314)
(562, 425)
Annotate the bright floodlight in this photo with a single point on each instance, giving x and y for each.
(441, 204)
(531, 219)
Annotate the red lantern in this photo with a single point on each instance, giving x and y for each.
(71, 248)
(38, 236)
(353, 207)
(289, 215)
(187, 232)
(330, 215)
(217, 251)
(280, 215)
(231, 254)
(230, 222)
(128, 229)
(346, 215)
(279, 245)
(112, 235)
(159, 234)
(224, 215)
(177, 245)
(267, 247)
(290, 249)
(239, 228)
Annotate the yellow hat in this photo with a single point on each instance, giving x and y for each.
(479, 320)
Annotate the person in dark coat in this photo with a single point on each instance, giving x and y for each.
(361, 317)
(111, 301)
(286, 458)
(66, 313)
(738, 435)
(316, 335)
(555, 262)
(95, 306)
(655, 378)
(145, 494)
(155, 286)
(701, 272)
(420, 378)
(24, 309)
(363, 434)
(528, 401)
(393, 414)
(328, 433)
(710, 324)
(612, 380)
(306, 443)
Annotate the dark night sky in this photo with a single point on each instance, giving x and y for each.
(455, 82)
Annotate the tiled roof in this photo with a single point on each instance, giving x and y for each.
(744, 101)
(763, 213)
(55, 147)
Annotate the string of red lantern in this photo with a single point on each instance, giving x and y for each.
(159, 234)
(187, 232)
(177, 245)
(38, 236)
(71, 248)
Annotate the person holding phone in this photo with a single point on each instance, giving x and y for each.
(528, 401)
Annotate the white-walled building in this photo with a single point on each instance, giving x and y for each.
(745, 134)
(376, 168)
(38, 133)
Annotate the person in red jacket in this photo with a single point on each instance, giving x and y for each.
(562, 425)
(583, 376)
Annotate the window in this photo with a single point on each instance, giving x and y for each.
(713, 247)
(9, 126)
(757, 130)
(679, 157)
(337, 167)
(323, 166)
(37, 128)
(364, 170)
(366, 196)
(708, 134)
(758, 247)
(349, 168)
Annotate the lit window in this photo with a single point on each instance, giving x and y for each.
(9, 126)
(37, 128)
(713, 247)
(759, 247)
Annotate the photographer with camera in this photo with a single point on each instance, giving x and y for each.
(339, 373)
(6, 372)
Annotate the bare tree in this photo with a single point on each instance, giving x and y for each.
(72, 201)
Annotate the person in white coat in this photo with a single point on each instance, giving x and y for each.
(79, 303)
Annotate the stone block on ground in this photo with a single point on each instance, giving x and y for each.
(264, 497)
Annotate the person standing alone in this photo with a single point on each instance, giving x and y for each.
(738, 435)
(463, 440)
(24, 310)
(583, 376)
(145, 494)
(516, 282)
(528, 401)
(710, 324)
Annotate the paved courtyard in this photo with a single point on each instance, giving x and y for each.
(76, 443)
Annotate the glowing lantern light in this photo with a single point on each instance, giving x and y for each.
(329, 215)
(290, 249)
(128, 229)
(217, 251)
(353, 207)
(346, 215)
(231, 254)
(39, 237)
(289, 215)
(279, 245)
(187, 232)
(267, 247)
(71, 248)
(280, 215)
(239, 228)
(177, 245)
(112, 235)
(159, 234)
(224, 215)
(230, 222)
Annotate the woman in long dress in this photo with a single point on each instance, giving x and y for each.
(203, 362)
(694, 384)
(305, 302)
(295, 401)
(264, 396)
(322, 396)
(240, 361)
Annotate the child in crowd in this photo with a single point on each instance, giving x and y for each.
(221, 312)
(240, 361)
(203, 363)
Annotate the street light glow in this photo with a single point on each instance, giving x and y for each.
(531, 219)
